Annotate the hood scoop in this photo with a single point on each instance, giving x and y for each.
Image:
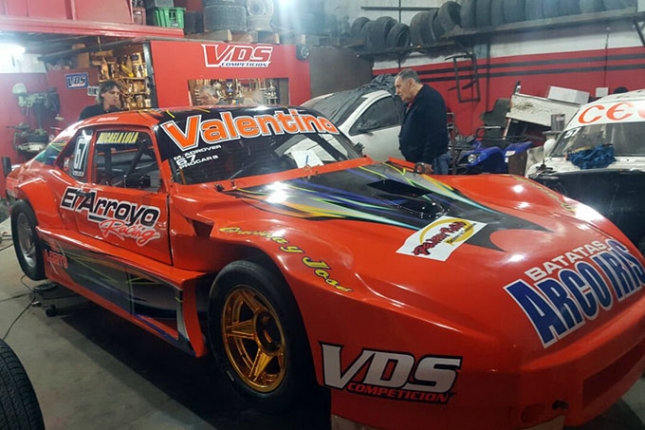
(408, 198)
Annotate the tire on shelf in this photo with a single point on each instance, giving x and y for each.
(365, 36)
(533, 9)
(27, 245)
(618, 4)
(514, 10)
(259, 8)
(497, 13)
(482, 13)
(19, 407)
(591, 6)
(448, 17)
(569, 7)
(468, 14)
(255, 294)
(258, 23)
(551, 8)
(379, 31)
(416, 28)
(225, 17)
(398, 36)
(190, 22)
(428, 34)
(357, 26)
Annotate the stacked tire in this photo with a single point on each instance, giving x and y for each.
(224, 15)
(485, 13)
(380, 34)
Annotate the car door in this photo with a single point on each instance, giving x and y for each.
(377, 129)
(122, 201)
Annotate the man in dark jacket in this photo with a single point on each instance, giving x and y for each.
(424, 132)
(108, 100)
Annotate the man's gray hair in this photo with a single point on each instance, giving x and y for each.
(406, 74)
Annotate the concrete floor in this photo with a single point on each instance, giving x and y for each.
(93, 370)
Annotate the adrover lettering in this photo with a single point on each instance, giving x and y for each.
(393, 375)
(576, 287)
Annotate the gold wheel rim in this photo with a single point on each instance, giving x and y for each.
(253, 339)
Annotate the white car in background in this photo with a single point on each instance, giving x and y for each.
(371, 119)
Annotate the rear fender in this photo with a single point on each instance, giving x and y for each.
(36, 191)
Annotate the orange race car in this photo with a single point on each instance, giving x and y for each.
(259, 235)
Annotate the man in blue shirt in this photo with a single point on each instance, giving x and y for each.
(424, 132)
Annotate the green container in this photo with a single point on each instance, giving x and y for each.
(168, 16)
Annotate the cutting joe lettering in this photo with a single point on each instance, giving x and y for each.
(214, 131)
(115, 217)
(566, 294)
(394, 375)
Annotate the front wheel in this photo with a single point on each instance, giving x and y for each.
(257, 336)
(25, 241)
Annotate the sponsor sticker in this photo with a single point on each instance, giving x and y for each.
(246, 56)
(561, 295)
(121, 218)
(117, 137)
(77, 80)
(214, 131)
(391, 375)
(441, 238)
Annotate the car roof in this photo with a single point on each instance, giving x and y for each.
(631, 96)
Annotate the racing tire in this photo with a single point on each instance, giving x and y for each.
(468, 14)
(190, 22)
(514, 10)
(482, 13)
(569, 7)
(398, 37)
(448, 17)
(19, 407)
(259, 8)
(591, 6)
(29, 250)
(533, 10)
(618, 4)
(225, 17)
(416, 29)
(497, 13)
(258, 338)
(258, 23)
(379, 30)
(551, 8)
(357, 26)
(428, 35)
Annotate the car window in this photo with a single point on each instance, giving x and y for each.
(385, 113)
(126, 159)
(625, 138)
(74, 157)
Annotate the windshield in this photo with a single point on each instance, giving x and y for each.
(296, 140)
(627, 139)
(337, 107)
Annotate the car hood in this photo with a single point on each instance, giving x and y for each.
(496, 253)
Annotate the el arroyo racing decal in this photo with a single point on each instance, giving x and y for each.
(441, 238)
(124, 219)
(573, 288)
(392, 375)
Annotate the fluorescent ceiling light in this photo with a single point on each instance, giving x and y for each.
(11, 49)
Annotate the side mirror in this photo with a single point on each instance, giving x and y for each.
(140, 181)
(368, 126)
(6, 166)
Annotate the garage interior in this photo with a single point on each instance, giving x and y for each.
(90, 368)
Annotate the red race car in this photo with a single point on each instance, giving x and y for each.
(260, 236)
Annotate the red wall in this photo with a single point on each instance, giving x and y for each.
(175, 63)
(72, 101)
(10, 113)
(582, 70)
(113, 11)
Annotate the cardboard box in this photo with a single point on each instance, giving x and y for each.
(568, 95)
